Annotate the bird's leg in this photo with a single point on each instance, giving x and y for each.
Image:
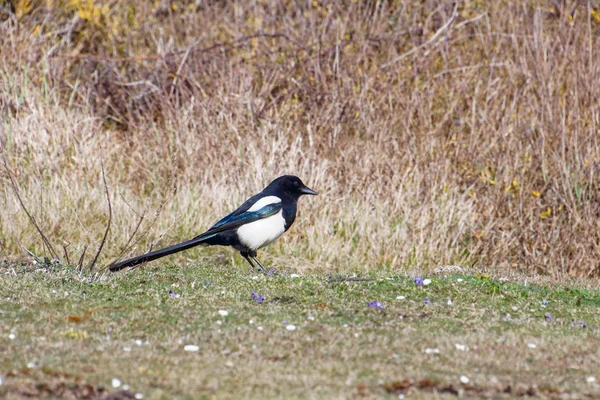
(252, 254)
(246, 256)
(260, 264)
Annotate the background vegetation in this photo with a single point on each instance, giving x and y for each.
(436, 132)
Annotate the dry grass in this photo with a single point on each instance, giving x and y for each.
(436, 132)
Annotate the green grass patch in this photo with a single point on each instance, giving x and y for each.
(62, 336)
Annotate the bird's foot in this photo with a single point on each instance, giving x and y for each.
(260, 265)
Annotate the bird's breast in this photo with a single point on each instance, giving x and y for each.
(263, 232)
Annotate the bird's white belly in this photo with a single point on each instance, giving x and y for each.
(263, 232)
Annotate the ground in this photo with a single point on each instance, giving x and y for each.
(287, 336)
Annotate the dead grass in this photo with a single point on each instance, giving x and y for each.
(436, 132)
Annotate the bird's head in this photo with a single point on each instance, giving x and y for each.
(292, 185)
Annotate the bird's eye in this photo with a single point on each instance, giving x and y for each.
(296, 183)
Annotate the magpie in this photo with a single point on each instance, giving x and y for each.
(256, 223)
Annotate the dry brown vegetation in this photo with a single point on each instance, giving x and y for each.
(436, 132)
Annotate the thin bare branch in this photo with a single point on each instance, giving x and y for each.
(13, 185)
(93, 263)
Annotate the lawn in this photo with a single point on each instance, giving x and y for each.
(216, 331)
(436, 132)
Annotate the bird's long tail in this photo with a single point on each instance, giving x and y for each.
(144, 258)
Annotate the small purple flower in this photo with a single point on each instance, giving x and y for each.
(419, 281)
(271, 271)
(549, 317)
(110, 329)
(258, 297)
(582, 324)
(427, 301)
(375, 304)
(173, 295)
(544, 302)
(284, 322)
(573, 324)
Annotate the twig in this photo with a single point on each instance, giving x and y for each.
(93, 263)
(135, 230)
(180, 68)
(66, 253)
(80, 262)
(141, 218)
(13, 184)
(427, 43)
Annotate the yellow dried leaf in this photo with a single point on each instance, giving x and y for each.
(73, 334)
(546, 214)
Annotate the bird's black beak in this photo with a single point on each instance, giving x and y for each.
(307, 190)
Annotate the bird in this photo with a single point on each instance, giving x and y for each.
(258, 222)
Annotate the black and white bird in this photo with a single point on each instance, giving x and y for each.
(258, 222)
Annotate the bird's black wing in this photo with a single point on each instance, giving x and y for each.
(230, 222)
(234, 221)
(240, 210)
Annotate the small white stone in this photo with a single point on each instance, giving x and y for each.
(461, 347)
(356, 335)
(127, 348)
(464, 379)
(219, 322)
(223, 313)
(228, 364)
(139, 396)
(311, 318)
(53, 291)
(255, 277)
(260, 328)
(459, 280)
(449, 302)
(125, 387)
(253, 347)
(191, 347)
(12, 336)
(116, 382)
(251, 321)
(290, 327)
(31, 364)
(138, 342)
(590, 379)
(400, 297)
(531, 345)
(426, 282)
(432, 351)
(294, 276)
(345, 325)
(514, 308)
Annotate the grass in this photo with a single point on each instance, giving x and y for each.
(72, 337)
(437, 132)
